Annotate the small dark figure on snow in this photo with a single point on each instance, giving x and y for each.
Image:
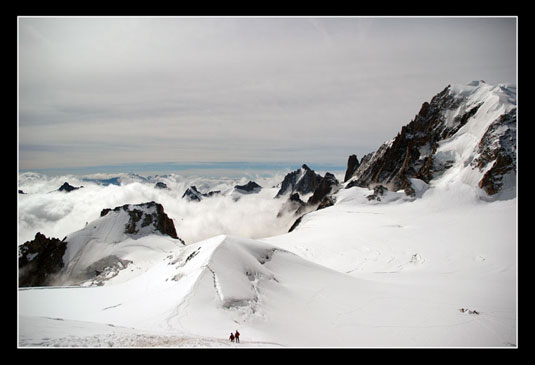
(231, 337)
(237, 336)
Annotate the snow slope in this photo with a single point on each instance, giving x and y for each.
(67, 333)
(114, 243)
(208, 289)
(393, 272)
(438, 254)
(463, 147)
(388, 284)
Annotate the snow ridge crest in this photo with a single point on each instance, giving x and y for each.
(466, 133)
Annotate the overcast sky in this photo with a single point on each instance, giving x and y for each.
(107, 91)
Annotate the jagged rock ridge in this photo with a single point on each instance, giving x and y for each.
(160, 185)
(250, 188)
(68, 187)
(302, 181)
(150, 215)
(352, 166)
(193, 194)
(98, 252)
(497, 149)
(40, 259)
(322, 195)
(426, 147)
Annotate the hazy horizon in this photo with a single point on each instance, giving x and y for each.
(209, 169)
(139, 91)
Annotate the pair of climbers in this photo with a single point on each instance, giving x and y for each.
(235, 336)
(462, 310)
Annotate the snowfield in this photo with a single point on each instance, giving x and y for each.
(438, 269)
(357, 274)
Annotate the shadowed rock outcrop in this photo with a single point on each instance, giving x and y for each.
(352, 166)
(68, 188)
(250, 188)
(193, 194)
(39, 260)
(145, 215)
(412, 153)
(302, 181)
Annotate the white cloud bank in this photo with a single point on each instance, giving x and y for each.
(44, 209)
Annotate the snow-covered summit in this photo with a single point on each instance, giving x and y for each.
(465, 133)
(129, 234)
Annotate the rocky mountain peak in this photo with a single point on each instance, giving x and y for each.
(99, 251)
(352, 166)
(302, 181)
(249, 188)
(477, 117)
(193, 194)
(68, 187)
(145, 218)
(40, 259)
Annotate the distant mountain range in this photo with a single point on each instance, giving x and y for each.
(421, 262)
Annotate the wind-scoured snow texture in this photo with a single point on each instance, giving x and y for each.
(360, 273)
(466, 132)
(62, 333)
(209, 289)
(431, 256)
(357, 274)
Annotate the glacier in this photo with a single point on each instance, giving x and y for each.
(394, 272)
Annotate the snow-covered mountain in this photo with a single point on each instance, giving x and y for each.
(424, 263)
(303, 181)
(466, 133)
(193, 194)
(130, 236)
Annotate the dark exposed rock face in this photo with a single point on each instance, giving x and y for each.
(250, 188)
(352, 166)
(293, 204)
(160, 185)
(294, 198)
(320, 199)
(296, 223)
(411, 154)
(326, 186)
(378, 192)
(139, 213)
(104, 269)
(326, 202)
(68, 188)
(303, 181)
(39, 260)
(498, 149)
(397, 160)
(193, 194)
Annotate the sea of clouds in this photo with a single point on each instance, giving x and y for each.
(42, 208)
